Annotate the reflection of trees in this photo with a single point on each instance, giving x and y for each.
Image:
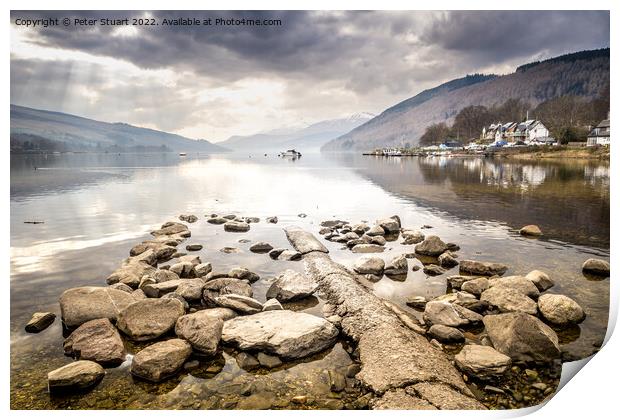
(568, 200)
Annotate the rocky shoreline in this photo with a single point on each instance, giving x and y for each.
(450, 354)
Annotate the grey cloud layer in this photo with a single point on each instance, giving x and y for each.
(378, 57)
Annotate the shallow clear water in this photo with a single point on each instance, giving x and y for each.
(95, 207)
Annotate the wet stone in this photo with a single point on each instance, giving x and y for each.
(40, 321)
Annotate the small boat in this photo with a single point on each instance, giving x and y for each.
(290, 153)
(182, 154)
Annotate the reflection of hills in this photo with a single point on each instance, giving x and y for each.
(568, 200)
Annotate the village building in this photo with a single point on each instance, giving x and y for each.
(600, 135)
(528, 132)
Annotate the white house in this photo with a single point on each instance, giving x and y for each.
(600, 135)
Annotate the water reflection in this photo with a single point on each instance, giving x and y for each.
(568, 199)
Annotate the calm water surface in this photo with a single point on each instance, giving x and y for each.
(95, 207)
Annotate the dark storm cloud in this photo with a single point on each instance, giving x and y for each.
(504, 34)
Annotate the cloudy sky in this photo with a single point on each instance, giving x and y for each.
(212, 82)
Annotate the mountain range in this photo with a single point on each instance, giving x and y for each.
(34, 129)
(305, 139)
(583, 74)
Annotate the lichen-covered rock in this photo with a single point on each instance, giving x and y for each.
(560, 309)
(148, 319)
(290, 335)
(98, 341)
(522, 337)
(160, 360)
(202, 330)
(482, 362)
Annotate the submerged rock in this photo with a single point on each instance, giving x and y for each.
(560, 309)
(273, 219)
(149, 318)
(433, 270)
(447, 260)
(202, 330)
(40, 321)
(530, 230)
(268, 360)
(291, 285)
(193, 247)
(189, 218)
(367, 248)
(369, 265)
(375, 231)
(246, 361)
(82, 304)
(522, 337)
(412, 237)
(239, 303)
(288, 255)
(304, 242)
(233, 226)
(217, 220)
(172, 228)
(288, 334)
(509, 300)
(482, 362)
(76, 375)
(261, 247)
(597, 267)
(98, 341)
(482, 268)
(160, 360)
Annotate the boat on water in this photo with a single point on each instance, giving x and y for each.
(182, 154)
(290, 153)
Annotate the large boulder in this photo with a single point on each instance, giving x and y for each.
(184, 269)
(239, 303)
(225, 286)
(597, 267)
(475, 286)
(369, 265)
(98, 341)
(507, 299)
(522, 337)
(540, 279)
(560, 309)
(431, 246)
(76, 375)
(291, 285)
(288, 334)
(439, 312)
(482, 362)
(40, 321)
(202, 329)
(160, 360)
(519, 283)
(482, 268)
(397, 267)
(148, 319)
(82, 304)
